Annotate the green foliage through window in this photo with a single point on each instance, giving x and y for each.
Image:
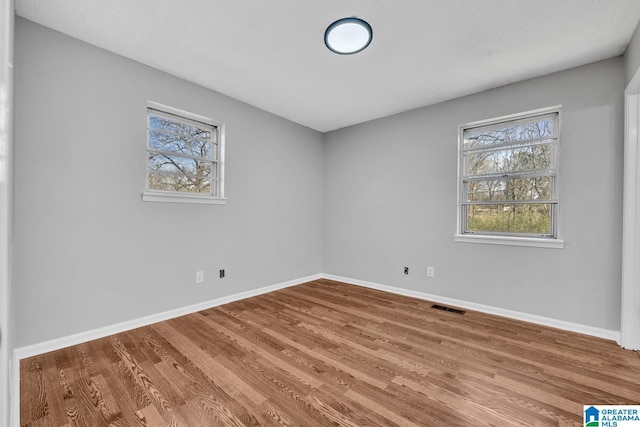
(508, 176)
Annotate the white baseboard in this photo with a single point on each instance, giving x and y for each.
(511, 314)
(59, 343)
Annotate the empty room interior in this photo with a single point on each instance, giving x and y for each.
(353, 213)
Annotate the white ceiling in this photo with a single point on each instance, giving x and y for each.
(271, 54)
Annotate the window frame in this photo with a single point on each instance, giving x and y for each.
(506, 238)
(217, 184)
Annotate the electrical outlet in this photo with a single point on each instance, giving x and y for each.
(200, 276)
(430, 271)
(222, 274)
(406, 270)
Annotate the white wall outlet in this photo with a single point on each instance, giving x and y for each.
(430, 271)
(200, 276)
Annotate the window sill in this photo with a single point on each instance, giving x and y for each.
(149, 196)
(510, 241)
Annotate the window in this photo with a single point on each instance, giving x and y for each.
(185, 155)
(508, 172)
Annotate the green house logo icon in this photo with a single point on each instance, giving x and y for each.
(592, 417)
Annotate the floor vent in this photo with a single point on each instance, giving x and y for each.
(445, 308)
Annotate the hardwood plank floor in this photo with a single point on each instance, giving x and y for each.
(328, 354)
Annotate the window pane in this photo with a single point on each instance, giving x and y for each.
(179, 144)
(175, 182)
(175, 173)
(183, 151)
(477, 138)
(158, 162)
(519, 159)
(509, 218)
(179, 127)
(510, 189)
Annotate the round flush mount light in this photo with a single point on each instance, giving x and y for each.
(347, 36)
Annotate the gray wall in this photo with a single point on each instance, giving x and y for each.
(370, 200)
(390, 201)
(88, 251)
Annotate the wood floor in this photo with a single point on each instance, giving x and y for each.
(329, 354)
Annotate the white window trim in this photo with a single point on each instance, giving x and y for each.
(556, 242)
(165, 196)
(510, 240)
(192, 198)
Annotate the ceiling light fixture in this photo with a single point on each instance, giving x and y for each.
(347, 36)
